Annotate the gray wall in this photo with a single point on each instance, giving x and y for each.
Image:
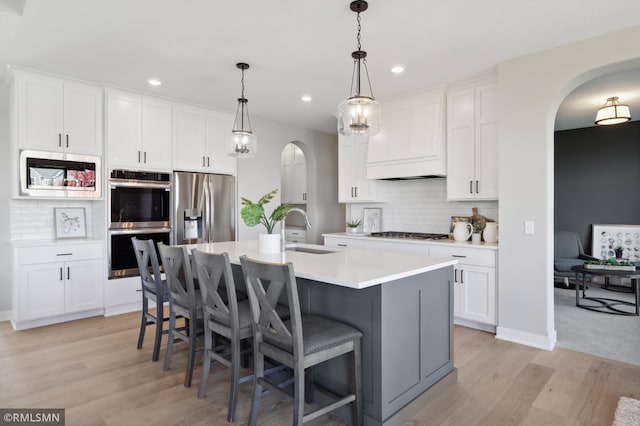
(597, 170)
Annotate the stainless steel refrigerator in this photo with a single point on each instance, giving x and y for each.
(204, 208)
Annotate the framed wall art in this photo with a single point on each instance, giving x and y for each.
(371, 220)
(69, 222)
(607, 238)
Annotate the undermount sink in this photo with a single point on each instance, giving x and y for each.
(308, 250)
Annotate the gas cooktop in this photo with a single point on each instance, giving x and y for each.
(410, 235)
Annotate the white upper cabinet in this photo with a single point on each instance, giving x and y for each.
(138, 131)
(411, 141)
(353, 186)
(293, 175)
(59, 115)
(472, 142)
(199, 140)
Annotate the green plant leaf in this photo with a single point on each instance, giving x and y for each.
(267, 197)
(280, 212)
(252, 213)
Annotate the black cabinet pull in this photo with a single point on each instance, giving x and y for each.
(461, 276)
(145, 157)
(68, 273)
(203, 161)
(61, 274)
(455, 275)
(208, 162)
(458, 255)
(342, 245)
(477, 187)
(356, 192)
(60, 140)
(64, 254)
(470, 187)
(138, 156)
(67, 138)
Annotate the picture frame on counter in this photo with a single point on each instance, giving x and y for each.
(371, 220)
(69, 222)
(456, 219)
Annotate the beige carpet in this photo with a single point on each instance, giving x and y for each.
(627, 412)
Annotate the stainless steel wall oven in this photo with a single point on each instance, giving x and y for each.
(139, 206)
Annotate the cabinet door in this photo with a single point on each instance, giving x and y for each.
(124, 129)
(477, 290)
(363, 187)
(347, 157)
(39, 112)
(486, 143)
(189, 138)
(40, 291)
(82, 119)
(286, 173)
(218, 130)
(460, 145)
(156, 134)
(343, 242)
(83, 288)
(299, 177)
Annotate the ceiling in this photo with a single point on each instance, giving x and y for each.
(298, 47)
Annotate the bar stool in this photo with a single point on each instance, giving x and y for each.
(223, 316)
(299, 343)
(185, 301)
(153, 288)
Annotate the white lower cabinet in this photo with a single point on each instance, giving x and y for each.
(474, 277)
(474, 281)
(56, 280)
(295, 235)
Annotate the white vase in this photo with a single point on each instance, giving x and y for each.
(490, 232)
(352, 230)
(476, 237)
(269, 243)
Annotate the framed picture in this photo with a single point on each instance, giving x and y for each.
(69, 222)
(607, 238)
(456, 219)
(371, 220)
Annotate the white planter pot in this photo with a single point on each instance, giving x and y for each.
(351, 230)
(269, 243)
(476, 237)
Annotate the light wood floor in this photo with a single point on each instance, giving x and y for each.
(92, 368)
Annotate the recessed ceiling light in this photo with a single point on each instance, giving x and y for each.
(306, 98)
(397, 69)
(155, 82)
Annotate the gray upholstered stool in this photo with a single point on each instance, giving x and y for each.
(153, 288)
(185, 301)
(299, 343)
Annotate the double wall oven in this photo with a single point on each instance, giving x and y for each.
(139, 206)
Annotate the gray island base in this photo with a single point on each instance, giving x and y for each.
(402, 304)
(407, 343)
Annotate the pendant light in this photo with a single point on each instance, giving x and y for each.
(360, 113)
(613, 113)
(242, 143)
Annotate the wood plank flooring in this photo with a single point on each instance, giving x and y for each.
(92, 369)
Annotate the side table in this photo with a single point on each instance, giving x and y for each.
(607, 305)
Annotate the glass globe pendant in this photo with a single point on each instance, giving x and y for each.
(242, 142)
(360, 113)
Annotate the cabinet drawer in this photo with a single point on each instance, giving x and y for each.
(295, 234)
(467, 256)
(123, 290)
(343, 242)
(58, 253)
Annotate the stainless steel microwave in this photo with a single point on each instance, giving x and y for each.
(57, 174)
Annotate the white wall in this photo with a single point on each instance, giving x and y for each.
(5, 177)
(531, 89)
(261, 174)
(421, 205)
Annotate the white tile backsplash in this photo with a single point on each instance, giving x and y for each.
(33, 219)
(421, 205)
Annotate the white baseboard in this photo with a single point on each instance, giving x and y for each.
(525, 338)
(125, 308)
(23, 325)
(474, 324)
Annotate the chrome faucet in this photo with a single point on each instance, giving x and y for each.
(283, 240)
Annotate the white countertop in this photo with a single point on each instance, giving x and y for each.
(450, 243)
(352, 268)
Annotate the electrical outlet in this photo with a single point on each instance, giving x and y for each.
(528, 227)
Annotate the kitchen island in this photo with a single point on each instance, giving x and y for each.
(402, 304)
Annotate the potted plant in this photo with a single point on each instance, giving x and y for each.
(618, 250)
(352, 226)
(476, 236)
(254, 214)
